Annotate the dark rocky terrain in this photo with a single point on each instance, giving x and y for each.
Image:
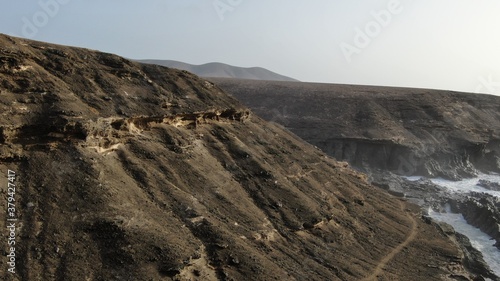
(392, 132)
(489, 185)
(479, 209)
(406, 131)
(127, 171)
(221, 70)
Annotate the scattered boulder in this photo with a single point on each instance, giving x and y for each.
(495, 186)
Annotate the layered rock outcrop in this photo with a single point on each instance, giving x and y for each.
(406, 131)
(137, 172)
(392, 132)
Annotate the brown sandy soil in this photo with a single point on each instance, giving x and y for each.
(134, 172)
(411, 236)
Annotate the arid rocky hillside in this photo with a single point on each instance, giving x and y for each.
(406, 131)
(127, 171)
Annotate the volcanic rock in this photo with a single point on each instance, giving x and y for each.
(489, 185)
(483, 211)
(126, 171)
(406, 131)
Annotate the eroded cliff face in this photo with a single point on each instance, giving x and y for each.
(127, 171)
(387, 131)
(481, 211)
(406, 131)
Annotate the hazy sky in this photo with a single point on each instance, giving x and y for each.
(443, 44)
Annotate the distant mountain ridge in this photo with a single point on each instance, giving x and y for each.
(221, 70)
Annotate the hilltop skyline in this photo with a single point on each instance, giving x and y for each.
(447, 45)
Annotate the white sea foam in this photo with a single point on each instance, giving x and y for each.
(468, 185)
(478, 239)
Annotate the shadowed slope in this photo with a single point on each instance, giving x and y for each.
(138, 172)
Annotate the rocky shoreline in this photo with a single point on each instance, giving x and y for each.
(489, 185)
(389, 133)
(481, 210)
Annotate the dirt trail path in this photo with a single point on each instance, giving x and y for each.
(413, 233)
